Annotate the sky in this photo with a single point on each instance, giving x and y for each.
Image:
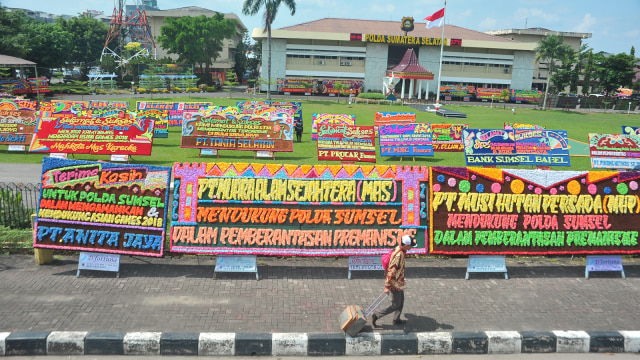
(615, 27)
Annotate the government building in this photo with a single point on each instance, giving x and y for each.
(366, 50)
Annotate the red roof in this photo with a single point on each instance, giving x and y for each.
(408, 68)
(335, 25)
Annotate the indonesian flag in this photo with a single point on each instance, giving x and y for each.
(436, 19)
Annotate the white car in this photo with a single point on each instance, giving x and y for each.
(596, 95)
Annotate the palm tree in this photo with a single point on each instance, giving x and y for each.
(504, 95)
(339, 87)
(252, 7)
(549, 49)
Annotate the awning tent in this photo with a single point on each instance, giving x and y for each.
(14, 62)
(10, 61)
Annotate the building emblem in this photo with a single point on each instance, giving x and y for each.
(407, 24)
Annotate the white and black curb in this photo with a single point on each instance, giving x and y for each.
(62, 343)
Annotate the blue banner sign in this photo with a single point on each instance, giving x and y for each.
(536, 147)
(405, 140)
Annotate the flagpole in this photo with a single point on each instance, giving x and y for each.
(441, 50)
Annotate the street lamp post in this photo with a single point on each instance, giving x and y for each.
(492, 101)
(133, 90)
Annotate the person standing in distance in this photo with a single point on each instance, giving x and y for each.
(298, 126)
(394, 282)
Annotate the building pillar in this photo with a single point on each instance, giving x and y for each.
(426, 94)
(411, 81)
(402, 95)
(419, 89)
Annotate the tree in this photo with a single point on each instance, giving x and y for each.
(241, 61)
(588, 74)
(196, 40)
(87, 38)
(253, 64)
(504, 95)
(636, 84)
(230, 82)
(130, 68)
(339, 87)
(582, 56)
(568, 73)
(252, 7)
(564, 71)
(108, 64)
(15, 33)
(549, 50)
(614, 71)
(51, 45)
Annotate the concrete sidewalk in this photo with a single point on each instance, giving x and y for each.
(177, 294)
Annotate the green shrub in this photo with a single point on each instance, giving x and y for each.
(623, 104)
(13, 213)
(15, 241)
(375, 96)
(80, 91)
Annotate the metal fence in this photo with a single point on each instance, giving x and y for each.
(17, 203)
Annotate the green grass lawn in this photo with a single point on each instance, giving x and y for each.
(577, 124)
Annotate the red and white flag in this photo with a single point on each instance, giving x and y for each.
(437, 19)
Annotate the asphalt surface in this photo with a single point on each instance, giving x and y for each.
(20, 173)
(546, 356)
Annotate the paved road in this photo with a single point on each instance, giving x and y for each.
(20, 173)
(554, 356)
(178, 294)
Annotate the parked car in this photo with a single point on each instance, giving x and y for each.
(68, 75)
(596, 95)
